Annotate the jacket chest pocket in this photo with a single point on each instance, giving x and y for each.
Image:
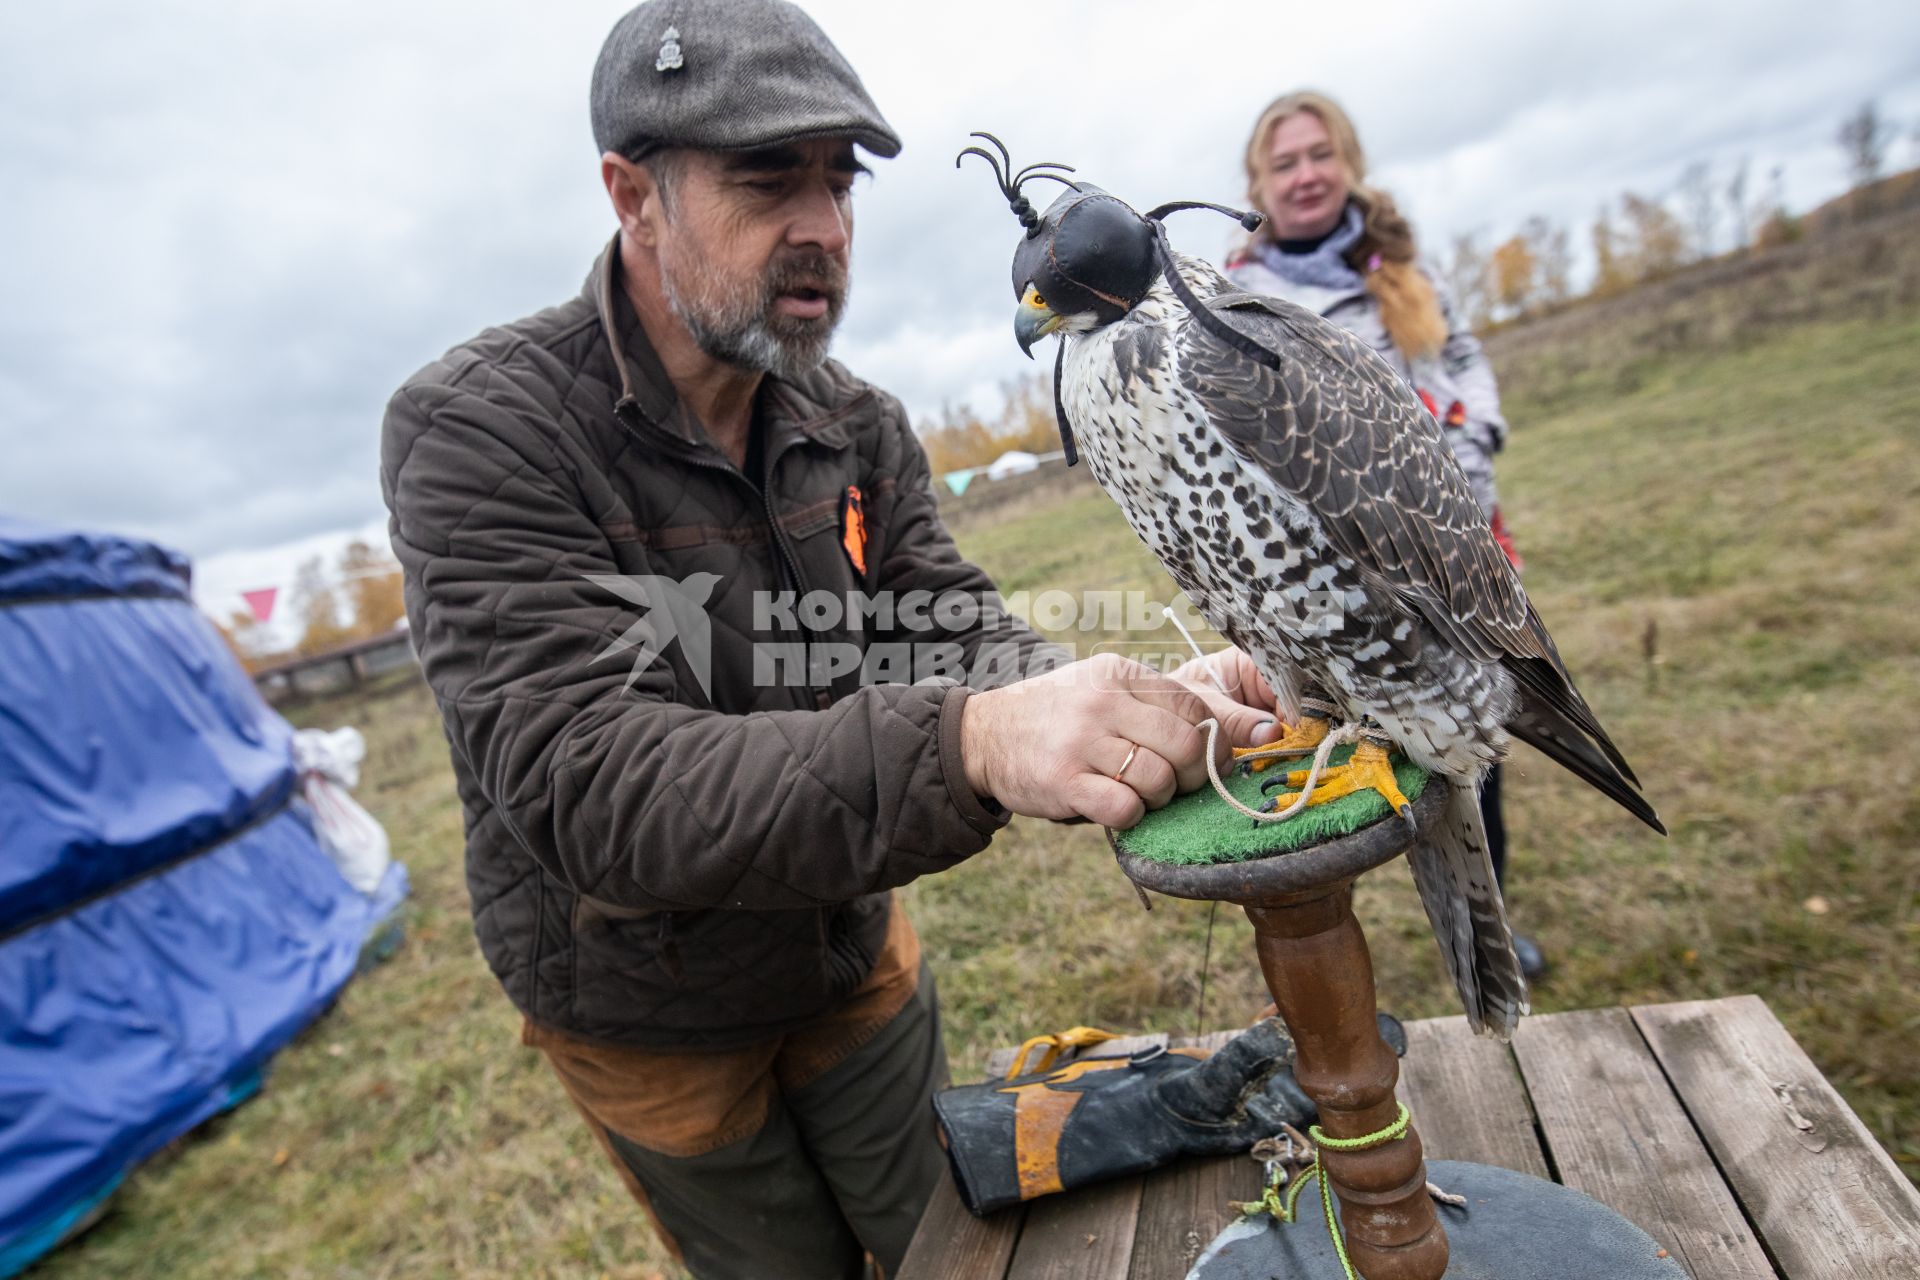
(830, 552)
(831, 535)
(840, 537)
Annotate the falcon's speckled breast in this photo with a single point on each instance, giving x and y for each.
(1255, 558)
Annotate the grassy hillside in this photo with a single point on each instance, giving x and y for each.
(1852, 270)
(1721, 536)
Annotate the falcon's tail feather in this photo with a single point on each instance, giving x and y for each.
(1552, 686)
(1543, 727)
(1454, 873)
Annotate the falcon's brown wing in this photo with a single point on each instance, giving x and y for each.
(1338, 429)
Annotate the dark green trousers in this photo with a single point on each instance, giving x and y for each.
(841, 1168)
(799, 1158)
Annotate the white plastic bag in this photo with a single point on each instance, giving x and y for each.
(329, 765)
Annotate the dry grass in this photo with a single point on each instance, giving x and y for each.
(1724, 546)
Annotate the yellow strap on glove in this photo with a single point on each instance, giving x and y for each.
(1054, 1045)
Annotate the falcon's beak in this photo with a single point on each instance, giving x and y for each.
(1032, 321)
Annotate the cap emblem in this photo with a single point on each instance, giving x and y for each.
(669, 59)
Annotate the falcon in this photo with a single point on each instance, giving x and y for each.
(1302, 496)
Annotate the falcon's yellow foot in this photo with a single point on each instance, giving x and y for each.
(1367, 770)
(1298, 740)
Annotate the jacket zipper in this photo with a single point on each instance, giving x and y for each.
(819, 697)
(789, 562)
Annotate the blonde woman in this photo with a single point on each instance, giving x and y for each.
(1342, 249)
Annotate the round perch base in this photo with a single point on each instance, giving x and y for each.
(1513, 1227)
(1198, 847)
(1199, 829)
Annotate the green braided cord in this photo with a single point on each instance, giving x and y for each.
(1283, 1210)
(1396, 1130)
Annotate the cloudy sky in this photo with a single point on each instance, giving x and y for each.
(232, 229)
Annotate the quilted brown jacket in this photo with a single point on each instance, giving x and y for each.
(651, 860)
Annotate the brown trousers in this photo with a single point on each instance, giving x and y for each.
(795, 1158)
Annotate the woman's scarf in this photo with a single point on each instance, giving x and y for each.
(1325, 265)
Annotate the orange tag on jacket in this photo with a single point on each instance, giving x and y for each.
(853, 529)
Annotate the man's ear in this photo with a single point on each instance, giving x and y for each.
(636, 197)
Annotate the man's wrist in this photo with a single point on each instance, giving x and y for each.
(974, 749)
(980, 811)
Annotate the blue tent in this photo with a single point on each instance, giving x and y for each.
(167, 919)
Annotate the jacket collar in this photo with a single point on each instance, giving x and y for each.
(644, 388)
(817, 406)
(1253, 275)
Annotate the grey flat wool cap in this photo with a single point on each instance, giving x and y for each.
(727, 75)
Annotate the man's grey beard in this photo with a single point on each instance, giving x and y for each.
(742, 328)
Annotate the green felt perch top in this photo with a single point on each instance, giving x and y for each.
(1200, 828)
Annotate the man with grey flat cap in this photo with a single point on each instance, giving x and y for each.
(685, 808)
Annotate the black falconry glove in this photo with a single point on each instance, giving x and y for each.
(1097, 1118)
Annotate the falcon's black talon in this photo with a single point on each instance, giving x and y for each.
(1277, 780)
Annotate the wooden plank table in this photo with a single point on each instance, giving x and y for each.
(1702, 1122)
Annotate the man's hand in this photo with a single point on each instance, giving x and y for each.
(1051, 747)
(1233, 671)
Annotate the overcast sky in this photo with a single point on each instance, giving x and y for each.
(233, 229)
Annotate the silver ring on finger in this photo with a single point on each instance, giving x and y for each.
(1133, 749)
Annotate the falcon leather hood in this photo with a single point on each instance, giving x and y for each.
(1090, 254)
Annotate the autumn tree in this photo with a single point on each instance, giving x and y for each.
(1863, 140)
(1776, 198)
(1776, 229)
(1656, 243)
(1552, 263)
(1513, 275)
(1610, 272)
(958, 439)
(1027, 420)
(1776, 226)
(317, 605)
(1736, 197)
(1465, 273)
(1697, 197)
(371, 583)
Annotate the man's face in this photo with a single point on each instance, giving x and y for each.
(754, 250)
